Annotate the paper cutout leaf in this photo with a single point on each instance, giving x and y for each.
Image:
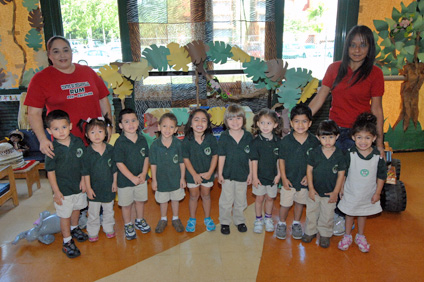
(240, 55)
(4, 2)
(35, 19)
(149, 138)
(289, 97)
(109, 73)
(124, 89)
(159, 112)
(2, 77)
(217, 115)
(11, 80)
(309, 90)
(3, 61)
(297, 77)
(151, 130)
(157, 57)
(40, 57)
(30, 4)
(27, 77)
(197, 51)
(34, 39)
(179, 57)
(150, 120)
(136, 70)
(219, 51)
(181, 114)
(276, 70)
(255, 69)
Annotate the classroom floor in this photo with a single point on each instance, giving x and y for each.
(396, 242)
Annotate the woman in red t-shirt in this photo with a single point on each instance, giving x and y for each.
(356, 85)
(70, 87)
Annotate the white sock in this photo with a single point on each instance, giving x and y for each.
(73, 227)
(296, 222)
(281, 223)
(164, 218)
(174, 217)
(126, 224)
(67, 239)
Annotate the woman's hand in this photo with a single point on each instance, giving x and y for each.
(46, 147)
(58, 197)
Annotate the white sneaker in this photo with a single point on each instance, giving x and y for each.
(258, 226)
(269, 225)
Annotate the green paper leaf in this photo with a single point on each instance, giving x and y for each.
(409, 49)
(396, 15)
(383, 34)
(289, 97)
(181, 114)
(219, 51)
(389, 58)
(297, 77)
(156, 56)
(394, 71)
(380, 25)
(400, 36)
(255, 69)
(412, 8)
(421, 7)
(27, 77)
(409, 58)
(399, 45)
(390, 49)
(386, 70)
(404, 9)
(386, 42)
(421, 57)
(30, 4)
(34, 39)
(390, 22)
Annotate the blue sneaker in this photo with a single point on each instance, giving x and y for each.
(210, 225)
(191, 225)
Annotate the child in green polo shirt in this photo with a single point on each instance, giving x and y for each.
(64, 173)
(325, 173)
(131, 154)
(234, 169)
(100, 176)
(168, 171)
(293, 151)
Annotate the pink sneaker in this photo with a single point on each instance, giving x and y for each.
(93, 239)
(110, 235)
(345, 242)
(362, 243)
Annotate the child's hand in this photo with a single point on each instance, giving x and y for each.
(114, 187)
(249, 179)
(287, 184)
(82, 186)
(136, 180)
(182, 183)
(256, 182)
(221, 179)
(333, 197)
(58, 197)
(90, 194)
(304, 181)
(206, 175)
(341, 193)
(197, 179)
(276, 179)
(142, 178)
(312, 194)
(154, 185)
(375, 198)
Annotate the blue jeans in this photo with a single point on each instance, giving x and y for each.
(345, 141)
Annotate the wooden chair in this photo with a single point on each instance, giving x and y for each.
(11, 193)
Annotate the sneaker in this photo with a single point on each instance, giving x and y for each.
(130, 232)
(191, 225)
(242, 227)
(142, 226)
(281, 231)
(308, 238)
(345, 242)
(225, 229)
(93, 239)
(339, 225)
(362, 243)
(70, 249)
(324, 241)
(258, 226)
(297, 231)
(210, 225)
(178, 225)
(110, 235)
(269, 225)
(79, 235)
(161, 226)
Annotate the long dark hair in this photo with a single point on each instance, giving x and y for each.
(365, 69)
(188, 130)
(270, 114)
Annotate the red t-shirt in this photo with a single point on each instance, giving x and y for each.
(349, 102)
(77, 93)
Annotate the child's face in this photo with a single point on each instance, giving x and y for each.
(129, 123)
(15, 138)
(96, 135)
(363, 140)
(60, 129)
(235, 123)
(167, 128)
(328, 141)
(266, 125)
(199, 123)
(300, 123)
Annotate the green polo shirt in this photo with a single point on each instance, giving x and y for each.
(294, 155)
(200, 155)
(167, 160)
(67, 165)
(382, 167)
(132, 155)
(100, 168)
(236, 165)
(325, 170)
(265, 151)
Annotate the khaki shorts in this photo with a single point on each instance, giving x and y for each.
(127, 195)
(270, 190)
(287, 197)
(207, 185)
(71, 203)
(164, 197)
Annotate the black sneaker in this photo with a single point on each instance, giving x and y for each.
(225, 229)
(142, 226)
(242, 227)
(79, 235)
(70, 249)
(130, 232)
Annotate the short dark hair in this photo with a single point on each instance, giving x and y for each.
(125, 112)
(301, 109)
(55, 115)
(171, 116)
(327, 127)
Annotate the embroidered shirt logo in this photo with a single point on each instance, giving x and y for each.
(207, 151)
(335, 169)
(276, 151)
(364, 172)
(247, 149)
(79, 152)
(143, 152)
(109, 162)
(175, 159)
(307, 152)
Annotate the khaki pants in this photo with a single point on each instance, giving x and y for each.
(233, 193)
(93, 223)
(319, 216)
